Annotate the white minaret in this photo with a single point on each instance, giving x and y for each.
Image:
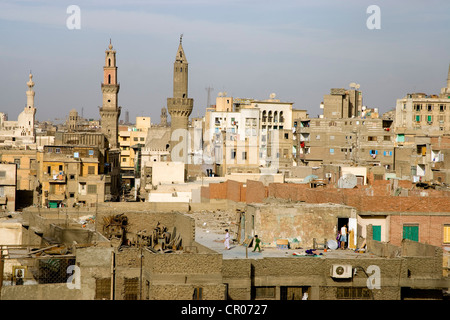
(25, 122)
(30, 92)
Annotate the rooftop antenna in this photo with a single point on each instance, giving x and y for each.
(181, 38)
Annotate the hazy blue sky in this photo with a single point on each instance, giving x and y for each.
(248, 48)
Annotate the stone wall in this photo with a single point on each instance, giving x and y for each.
(299, 223)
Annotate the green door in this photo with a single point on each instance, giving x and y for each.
(376, 233)
(411, 233)
(53, 204)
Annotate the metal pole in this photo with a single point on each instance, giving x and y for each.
(1, 271)
(112, 275)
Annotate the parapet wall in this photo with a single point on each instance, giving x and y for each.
(378, 197)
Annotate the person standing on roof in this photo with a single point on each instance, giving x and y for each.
(343, 236)
(257, 242)
(227, 240)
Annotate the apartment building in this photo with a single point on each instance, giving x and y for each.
(130, 137)
(8, 180)
(27, 184)
(73, 175)
(363, 138)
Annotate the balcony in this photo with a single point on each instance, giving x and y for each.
(56, 197)
(57, 178)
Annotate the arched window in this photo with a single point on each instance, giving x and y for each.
(109, 79)
(109, 62)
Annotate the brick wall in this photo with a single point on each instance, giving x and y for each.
(430, 228)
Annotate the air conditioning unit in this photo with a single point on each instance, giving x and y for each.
(341, 271)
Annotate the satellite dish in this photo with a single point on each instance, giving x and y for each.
(363, 108)
(357, 86)
(347, 181)
(332, 244)
(225, 93)
(352, 85)
(272, 96)
(220, 94)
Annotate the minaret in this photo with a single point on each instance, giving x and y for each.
(30, 92)
(110, 111)
(180, 106)
(448, 78)
(26, 118)
(445, 92)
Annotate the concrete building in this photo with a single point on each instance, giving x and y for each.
(27, 168)
(424, 114)
(203, 270)
(131, 139)
(8, 181)
(347, 133)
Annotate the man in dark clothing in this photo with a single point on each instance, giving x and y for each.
(257, 242)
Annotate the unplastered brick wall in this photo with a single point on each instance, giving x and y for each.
(431, 227)
(230, 189)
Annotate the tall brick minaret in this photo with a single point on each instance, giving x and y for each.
(180, 106)
(110, 111)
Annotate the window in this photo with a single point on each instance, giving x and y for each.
(244, 155)
(411, 232)
(60, 168)
(400, 138)
(72, 195)
(103, 289)
(57, 150)
(198, 294)
(353, 293)
(91, 170)
(286, 135)
(264, 292)
(131, 288)
(418, 118)
(331, 151)
(49, 170)
(371, 138)
(447, 233)
(142, 138)
(124, 159)
(441, 108)
(72, 177)
(233, 154)
(387, 138)
(135, 139)
(293, 293)
(2, 174)
(92, 189)
(429, 107)
(429, 118)
(2, 191)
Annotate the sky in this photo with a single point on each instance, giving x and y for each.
(298, 50)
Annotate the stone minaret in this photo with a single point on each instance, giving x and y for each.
(26, 118)
(448, 78)
(110, 111)
(180, 106)
(163, 117)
